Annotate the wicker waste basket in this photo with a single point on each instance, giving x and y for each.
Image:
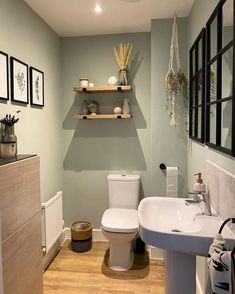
(81, 235)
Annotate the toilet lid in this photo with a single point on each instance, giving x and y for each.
(120, 220)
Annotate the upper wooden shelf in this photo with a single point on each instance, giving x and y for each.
(103, 116)
(103, 89)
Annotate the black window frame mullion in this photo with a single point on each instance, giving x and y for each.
(233, 86)
(190, 92)
(196, 92)
(218, 12)
(194, 86)
(219, 77)
(203, 102)
(208, 82)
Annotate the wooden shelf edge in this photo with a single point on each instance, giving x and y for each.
(103, 89)
(103, 116)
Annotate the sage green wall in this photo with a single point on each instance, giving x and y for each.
(27, 37)
(169, 144)
(198, 153)
(93, 149)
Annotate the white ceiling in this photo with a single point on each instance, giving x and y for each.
(77, 17)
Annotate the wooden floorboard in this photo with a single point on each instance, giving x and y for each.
(83, 273)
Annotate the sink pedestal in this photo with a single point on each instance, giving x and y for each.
(180, 273)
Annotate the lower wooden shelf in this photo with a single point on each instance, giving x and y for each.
(103, 116)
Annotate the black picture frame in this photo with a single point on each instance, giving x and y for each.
(4, 76)
(214, 58)
(36, 87)
(19, 81)
(197, 85)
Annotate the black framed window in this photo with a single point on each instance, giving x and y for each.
(197, 88)
(220, 104)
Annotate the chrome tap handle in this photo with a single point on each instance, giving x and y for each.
(206, 200)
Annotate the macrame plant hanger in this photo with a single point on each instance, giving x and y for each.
(175, 79)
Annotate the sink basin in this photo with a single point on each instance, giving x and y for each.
(171, 224)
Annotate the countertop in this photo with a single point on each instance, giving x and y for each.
(19, 157)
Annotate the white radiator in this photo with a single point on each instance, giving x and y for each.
(52, 221)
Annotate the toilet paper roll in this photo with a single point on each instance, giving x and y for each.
(172, 181)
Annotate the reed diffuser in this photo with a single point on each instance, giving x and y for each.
(122, 56)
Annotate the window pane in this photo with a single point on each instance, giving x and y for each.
(227, 33)
(200, 54)
(200, 87)
(195, 65)
(193, 85)
(199, 128)
(213, 32)
(193, 123)
(213, 124)
(226, 132)
(213, 77)
(227, 73)
(193, 62)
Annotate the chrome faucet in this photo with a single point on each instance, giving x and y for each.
(201, 200)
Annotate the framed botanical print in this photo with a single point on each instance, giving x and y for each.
(4, 81)
(36, 87)
(19, 81)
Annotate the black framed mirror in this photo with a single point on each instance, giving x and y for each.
(220, 68)
(197, 88)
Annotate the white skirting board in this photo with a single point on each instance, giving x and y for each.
(97, 235)
(155, 253)
(198, 285)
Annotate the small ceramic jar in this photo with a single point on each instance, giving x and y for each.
(84, 82)
(91, 84)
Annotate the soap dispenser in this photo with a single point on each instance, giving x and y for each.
(199, 186)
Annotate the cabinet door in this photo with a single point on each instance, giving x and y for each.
(22, 259)
(19, 194)
(1, 281)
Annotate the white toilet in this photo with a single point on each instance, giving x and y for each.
(120, 222)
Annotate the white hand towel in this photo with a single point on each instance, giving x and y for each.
(172, 181)
(219, 263)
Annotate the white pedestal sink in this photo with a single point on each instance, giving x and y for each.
(184, 232)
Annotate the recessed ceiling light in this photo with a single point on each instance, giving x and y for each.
(98, 9)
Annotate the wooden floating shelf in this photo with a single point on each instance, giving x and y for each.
(103, 116)
(103, 89)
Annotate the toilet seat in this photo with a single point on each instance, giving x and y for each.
(117, 220)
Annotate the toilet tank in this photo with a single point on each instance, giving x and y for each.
(123, 191)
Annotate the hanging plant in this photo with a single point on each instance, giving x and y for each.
(176, 82)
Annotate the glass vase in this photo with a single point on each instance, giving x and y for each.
(122, 77)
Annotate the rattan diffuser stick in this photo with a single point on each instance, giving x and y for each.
(122, 56)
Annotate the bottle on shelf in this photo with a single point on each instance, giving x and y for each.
(84, 107)
(126, 107)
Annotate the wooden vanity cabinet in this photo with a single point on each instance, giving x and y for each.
(21, 227)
